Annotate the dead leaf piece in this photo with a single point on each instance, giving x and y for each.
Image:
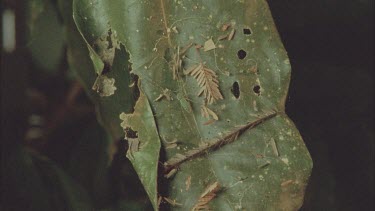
(177, 61)
(188, 183)
(286, 183)
(274, 147)
(209, 122)
(206, 112)
(207, 80)
(104, 86)
(209, 45)
(172, 202)
(206, 197)
(106, 46)
(133, 146)
(225, 27)
(231, 34)
(222, 37)
(171, 173)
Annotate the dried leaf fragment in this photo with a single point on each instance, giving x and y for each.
(209, 45)
(222, 37)
(172, 201)
(225, 26)
(206, 112)
(177, 61)
(209, 194)
(286, 183)
(207, 80)
(133, 146)
(170, 173)
(231, 34)
(125, 120)
(104, 86)
(188, 183)
(274, 147)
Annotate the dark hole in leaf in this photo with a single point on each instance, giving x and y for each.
(109, 39)
(160, 32)
(235, 90)
(106, 68)
(131, 133)
(256, 89)
(135, 89)
(246, 31)
(168, 54)
(241, 54)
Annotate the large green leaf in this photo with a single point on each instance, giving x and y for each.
(33, 182)
(242, 151)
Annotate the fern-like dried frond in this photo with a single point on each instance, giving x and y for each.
(207, 81)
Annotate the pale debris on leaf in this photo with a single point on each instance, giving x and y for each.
(104, 86)
(209, 45)
(174, 29)
(231, 34)
(206, 112)
(222, 37)
(274, 147)
(206, 197)
(172, 202)
(225, 27)
(133, 146)
(125, 120)
(188, 183)
(170, 173)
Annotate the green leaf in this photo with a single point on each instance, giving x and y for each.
(145, 158)
(36, 183)
(45, 35)
(223, 124)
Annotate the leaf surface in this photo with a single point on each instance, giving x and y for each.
(242, 140)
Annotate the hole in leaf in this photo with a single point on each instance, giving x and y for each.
(241, 54)
(235, 90)
(247, 31)
(131, 133)
(256, 89)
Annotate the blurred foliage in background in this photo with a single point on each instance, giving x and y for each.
(55, 156)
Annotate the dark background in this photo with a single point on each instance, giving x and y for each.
(331, 97)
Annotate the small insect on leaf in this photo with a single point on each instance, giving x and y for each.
(184, 103)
